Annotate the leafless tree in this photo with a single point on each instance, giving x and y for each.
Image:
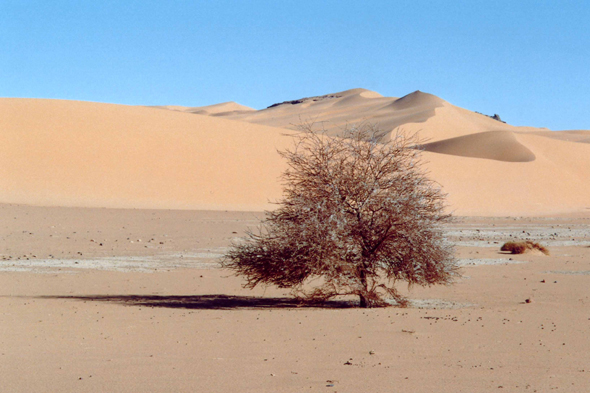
(358, 215)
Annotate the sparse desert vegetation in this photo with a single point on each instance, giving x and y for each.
(358, 213)
(80, 323)
(522, 247)
(164, 227)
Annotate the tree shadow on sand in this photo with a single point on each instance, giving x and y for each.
(206, 302)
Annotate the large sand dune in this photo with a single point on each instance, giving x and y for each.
(429, 116)
(555, 182)
(68, 153)
(142, 306)
(223, 156)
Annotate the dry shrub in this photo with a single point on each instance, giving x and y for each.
(359, 214)
(524, 246)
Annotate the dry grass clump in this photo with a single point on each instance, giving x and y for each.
(522, 247)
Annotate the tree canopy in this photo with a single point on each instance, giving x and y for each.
(358, 214)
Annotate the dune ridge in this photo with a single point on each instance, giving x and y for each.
(224, 109)
(491, 145)
(333, 112)
(71, 153)
(555, 182)
(579, 136)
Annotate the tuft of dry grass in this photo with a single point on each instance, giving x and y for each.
(522, 247)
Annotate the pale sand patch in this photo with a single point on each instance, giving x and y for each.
(144, 264)
(571, 272)
(438, 304)
(487, 261)
(162, 262)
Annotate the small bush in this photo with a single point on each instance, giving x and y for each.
(522, 247)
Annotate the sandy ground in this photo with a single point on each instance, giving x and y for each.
(96, 300)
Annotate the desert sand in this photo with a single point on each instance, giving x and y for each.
(224, 157)
(113, 219)
(132, 314)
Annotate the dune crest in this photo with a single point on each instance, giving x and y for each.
(491, 145)
(578, 136)
(224, 108)
(417, 112)
(417, 99)
(333, 112)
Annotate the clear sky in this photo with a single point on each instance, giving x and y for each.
(528, 61)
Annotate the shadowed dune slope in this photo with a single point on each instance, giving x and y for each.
(429, 116)
(334, 111)
(70, 153)
(555, 182)
(492, 145)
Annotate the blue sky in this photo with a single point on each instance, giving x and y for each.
(528, 61)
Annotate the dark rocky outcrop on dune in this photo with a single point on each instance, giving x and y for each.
(495, 117)
(306, 99)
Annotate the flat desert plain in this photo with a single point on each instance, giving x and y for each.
(113, 219)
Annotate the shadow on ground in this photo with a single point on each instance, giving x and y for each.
(204, 302)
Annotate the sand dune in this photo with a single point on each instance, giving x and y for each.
(492, 145)
(555, 182)
(579, 136)
(334, 112)
(223, 109)
(418, 112)
(142, 284)
(69, 153)
(416, 100)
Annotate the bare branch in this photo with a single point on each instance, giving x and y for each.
(358, 213)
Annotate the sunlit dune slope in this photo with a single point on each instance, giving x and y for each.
(429, 116)
(579, 136)
(222, 109)
(69, 153)
(334, 112)
(555, 182)
(486, 166)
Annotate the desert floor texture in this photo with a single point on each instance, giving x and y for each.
(113, 219)
(101, 300)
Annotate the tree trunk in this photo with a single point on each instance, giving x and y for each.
(363, 300)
